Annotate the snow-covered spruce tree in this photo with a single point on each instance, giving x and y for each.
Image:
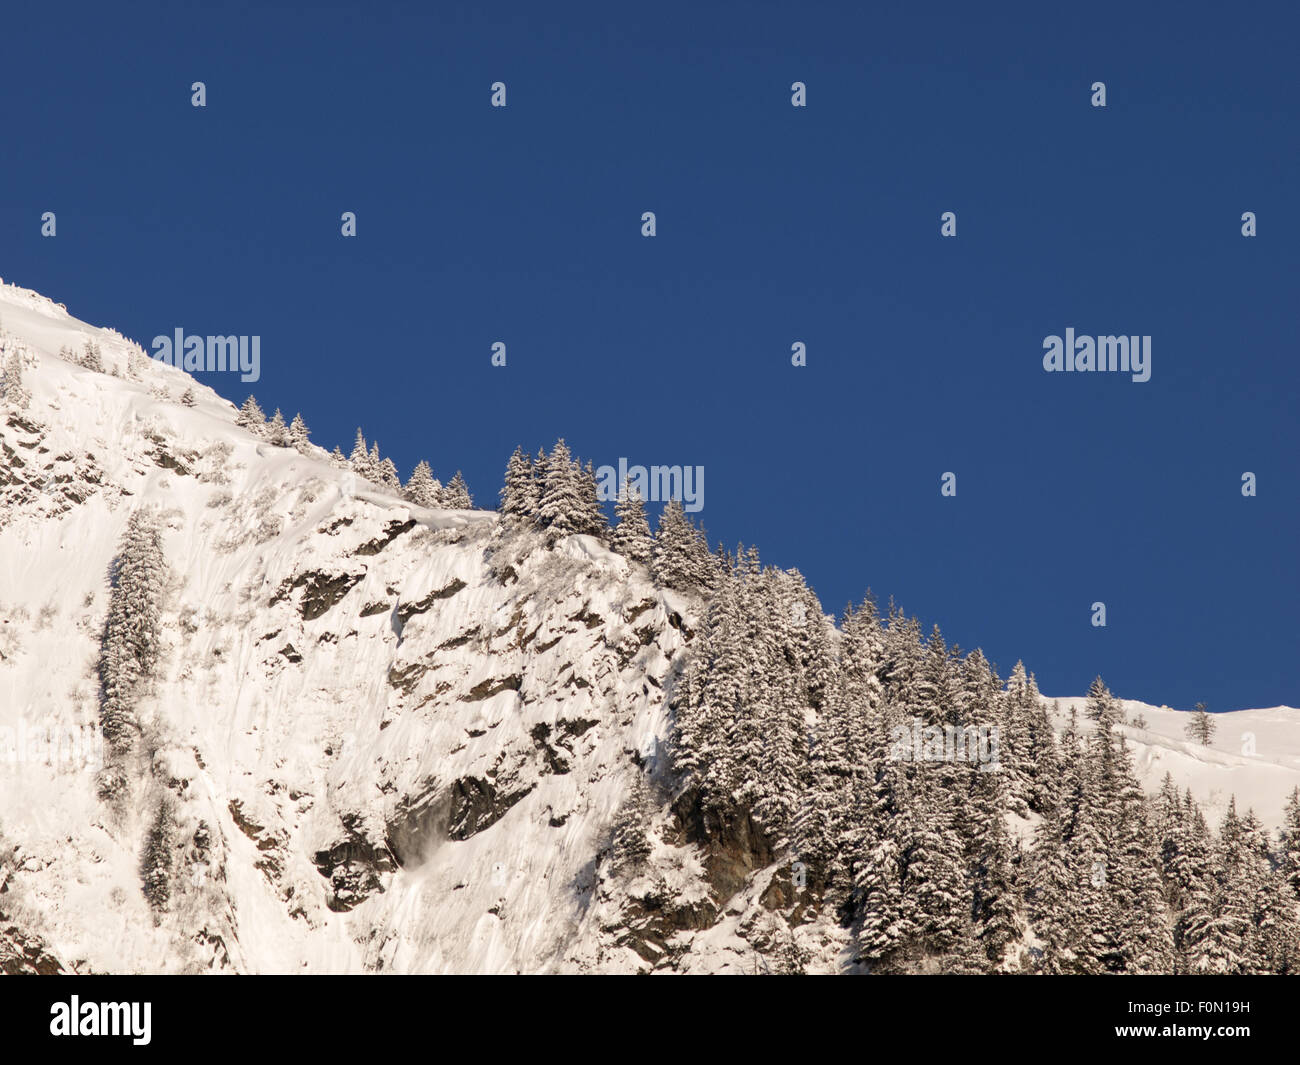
(631, 536)
(299, 436)
(1274, 943)
(802, 670)
(682, 560)
(936, 896)
(1049, 888)
(276, 431)
(1129, 930)
(250, 417)
(740, 781)
(132, 633)
(136, 360)
(455, 496)
(1019, 706)
(591, 515)
(994, 905)
(520, 494)
(756, 672)
(91, 357)
(1217, 926)
(1053, 880)
(1169, 826)
(727, 681)
(560, 507)
(1147, 945)
(939, 687)
(1201, 727)
(12, 391)
(157, 856)
(388, 475)
(904, 660)
(631, 847)
(881, 927)
(1277, 922)
(1091, 920)
(1187, 858)
(423, 489)
(1110, 913)
(337, 459)
(710, 695)
(1029, 741)
(188, 398)
(840, 792)
(360, 461)
(1290, 858)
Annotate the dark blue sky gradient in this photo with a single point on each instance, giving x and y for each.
(775, 225)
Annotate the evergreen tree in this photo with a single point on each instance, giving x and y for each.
(360, 454)
(904, 660)
(561, 506)
(936, 897)
(135, 364)
(1146, 930)
(359, 460)
(994, 905)
(631, 536)
(591, 518)
(91, 357)
(1277, 927)
(388, 476)
(1063, 869)
(188, 398)
(337, 459)
(631, 846)
(298, 436)
(156, 859)
(1025, 733)
(854, 720)
(456, 495)
(1173, 838)
(250, 417)
(276, 431)
(1201, 727)
(11, 383)
(712, 694)
(423, 488)
(1217, 926)
(1290, 860)
(132, 630)
(882, 925)
(1190, 872)
(521, 494)
(682, 560)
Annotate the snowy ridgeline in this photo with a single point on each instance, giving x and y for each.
(267, 709)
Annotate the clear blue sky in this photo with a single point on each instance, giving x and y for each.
(775, 224)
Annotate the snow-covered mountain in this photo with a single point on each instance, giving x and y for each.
(1254, 755)
(388, 738)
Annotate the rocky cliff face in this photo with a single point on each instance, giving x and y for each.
(379, 737)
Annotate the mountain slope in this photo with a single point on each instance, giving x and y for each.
(381, 737)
